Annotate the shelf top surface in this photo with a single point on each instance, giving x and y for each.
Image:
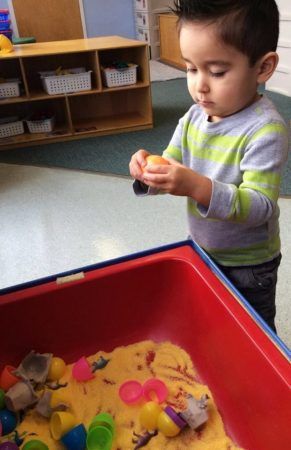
(71, 46)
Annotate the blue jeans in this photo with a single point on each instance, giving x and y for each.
(258, 285)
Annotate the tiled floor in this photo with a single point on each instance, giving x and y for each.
(54, 220)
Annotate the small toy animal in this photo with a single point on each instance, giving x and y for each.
(100, 364)
(143, 439)
(55, 385)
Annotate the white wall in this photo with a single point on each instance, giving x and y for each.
(109, 17)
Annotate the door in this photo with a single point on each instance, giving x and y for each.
(53, 20)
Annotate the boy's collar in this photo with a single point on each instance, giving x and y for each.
(252, 102)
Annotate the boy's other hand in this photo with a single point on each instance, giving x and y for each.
(137, 164)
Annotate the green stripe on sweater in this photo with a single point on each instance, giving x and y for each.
(256, 254)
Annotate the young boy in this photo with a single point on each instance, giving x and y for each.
(227, 152)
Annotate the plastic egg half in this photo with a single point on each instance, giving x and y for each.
(167, 426)
(149, 414)
(57, 369)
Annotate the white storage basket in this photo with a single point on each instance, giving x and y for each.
(12, 128)
(10, 88)
(66, 84)
(41, 126)
(119, 77)
(143, 34)
(153, 5)
(145, 19)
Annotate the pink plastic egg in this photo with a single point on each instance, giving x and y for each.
(81, 370)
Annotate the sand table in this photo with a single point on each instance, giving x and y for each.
(140, 361)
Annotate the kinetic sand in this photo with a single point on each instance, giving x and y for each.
(140, 362)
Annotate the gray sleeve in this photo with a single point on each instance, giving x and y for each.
(141, 189)
(255, 199)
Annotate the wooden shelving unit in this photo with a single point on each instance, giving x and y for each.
(98, 111)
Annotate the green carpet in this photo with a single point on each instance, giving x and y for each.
(111, 154)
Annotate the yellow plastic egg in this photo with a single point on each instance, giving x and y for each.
(149, 414)
(167, 426)
(57, 369)
(58, 398)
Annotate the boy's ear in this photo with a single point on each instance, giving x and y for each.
(267, 66)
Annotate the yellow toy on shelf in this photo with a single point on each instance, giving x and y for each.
(5, 45)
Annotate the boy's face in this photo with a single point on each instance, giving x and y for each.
(219, 77)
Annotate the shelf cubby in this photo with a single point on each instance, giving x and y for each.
(100, 110)
(57, 107)
(33, 66)
(129, 54)
(111, 111)
(11, 69)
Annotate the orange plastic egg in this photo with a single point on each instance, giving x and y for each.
(155, 159)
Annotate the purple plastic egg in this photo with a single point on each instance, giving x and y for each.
(9, 446)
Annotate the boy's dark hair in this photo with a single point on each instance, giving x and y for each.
(251, 26)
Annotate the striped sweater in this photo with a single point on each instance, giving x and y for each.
(243, 155)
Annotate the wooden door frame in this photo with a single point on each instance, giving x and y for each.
(14, 22)
(13, 18)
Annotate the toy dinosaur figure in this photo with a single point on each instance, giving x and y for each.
(19, 438)
(143, 439)
(55, 385)
(16, 438)
(100, 364)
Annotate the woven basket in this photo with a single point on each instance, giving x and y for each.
(119, 77)
(41, 126)
(9, 89)
(11, 129)
(66, 84)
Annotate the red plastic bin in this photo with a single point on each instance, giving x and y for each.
(171, 293)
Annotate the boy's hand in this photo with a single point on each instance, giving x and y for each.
(137, 164)
(179, 180)
(172, 179)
